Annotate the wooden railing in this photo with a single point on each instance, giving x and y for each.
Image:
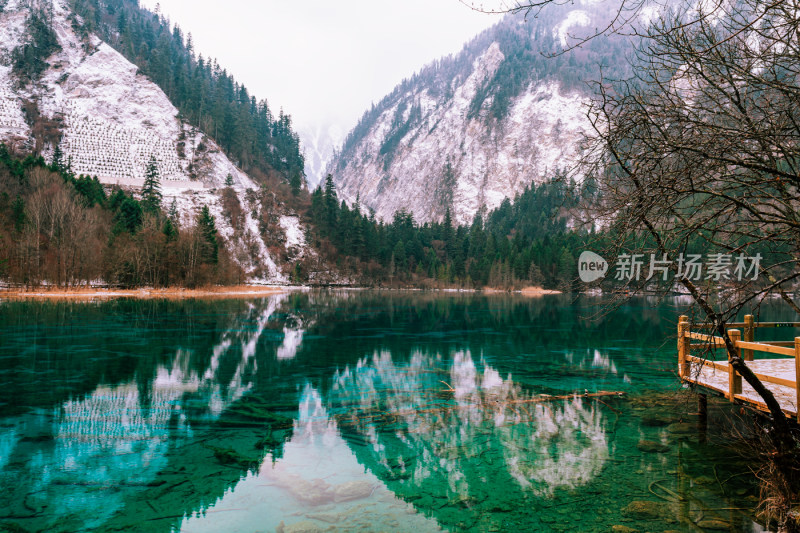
(745, 348)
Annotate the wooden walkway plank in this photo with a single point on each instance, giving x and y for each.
(778, 375)
(714, 375)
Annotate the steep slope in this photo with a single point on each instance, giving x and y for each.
(206, 95)
(470, 130)
(109, 121)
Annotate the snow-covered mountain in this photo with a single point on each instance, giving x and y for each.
(111, 120)
(319, 143)
(470, 130)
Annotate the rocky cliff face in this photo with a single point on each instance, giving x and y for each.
(471, 130)
(111, 121)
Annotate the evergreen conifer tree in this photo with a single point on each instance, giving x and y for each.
(173, 212)
(58, 159)
(18, 208)
(359, 241)
(128, 216)
(296, 182)
(331, 203)
(399, 255)
(449, 235)
(151, 190)
(169, 230)
(209, 247)
(318, 208)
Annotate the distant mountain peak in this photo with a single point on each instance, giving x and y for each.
(319, 144)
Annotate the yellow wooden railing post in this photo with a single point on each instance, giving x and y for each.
(749, 336)
(683, 364)
(797, 375)
(734, 379)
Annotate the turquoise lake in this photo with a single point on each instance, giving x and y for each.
(358, 411)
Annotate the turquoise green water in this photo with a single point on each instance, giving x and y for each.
(356, 411)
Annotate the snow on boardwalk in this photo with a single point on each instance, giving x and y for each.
(778, 374)
(715, 377)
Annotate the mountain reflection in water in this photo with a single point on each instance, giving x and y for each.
(315, 410)
(445, 419)
(317, 479)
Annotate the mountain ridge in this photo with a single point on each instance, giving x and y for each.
(470, 130)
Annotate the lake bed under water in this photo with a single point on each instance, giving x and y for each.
(356, 411)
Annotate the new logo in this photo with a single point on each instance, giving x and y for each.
(591, 267)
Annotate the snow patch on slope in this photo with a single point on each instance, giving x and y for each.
(12, 121)
(295, 238)
(573, 19)
(13, 128)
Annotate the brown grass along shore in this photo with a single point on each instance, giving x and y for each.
(537, 291)
(175, 293)
(527, 291)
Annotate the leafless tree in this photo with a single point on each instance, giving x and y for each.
(701, 150)
(37, 214)
(622, 17)
(151, 251)
(625, 13)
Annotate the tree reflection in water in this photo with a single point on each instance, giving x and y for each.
(427, 429)
(426, 423)
(76, 460)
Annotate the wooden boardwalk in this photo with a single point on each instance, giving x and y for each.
(779, 374)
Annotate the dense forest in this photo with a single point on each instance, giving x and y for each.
(206, 95)
(63, 230)
(524, 242)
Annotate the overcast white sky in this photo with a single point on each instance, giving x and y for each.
(324, 61)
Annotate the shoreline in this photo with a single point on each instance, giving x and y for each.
(173, 293)
(233, 291)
